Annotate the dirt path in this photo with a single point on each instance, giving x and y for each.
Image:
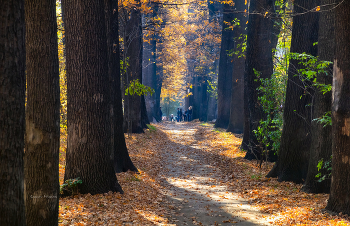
(194, 185)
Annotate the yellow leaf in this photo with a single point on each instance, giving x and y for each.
(318, 8)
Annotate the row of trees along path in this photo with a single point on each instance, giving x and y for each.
(33, 56)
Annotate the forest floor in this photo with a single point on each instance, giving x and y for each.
(193, 174)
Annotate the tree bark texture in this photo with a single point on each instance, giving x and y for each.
(200, 100)
(339, 199)
(224, 87)
(149, 72)
(159, 72)
(293, 158)
(236, 122)
(212, 108)
(149, 76)
(12, 112)
(133, 48)
(321, 144)
(42, 114)
(215, 9)
(261, 39)
(89, 129)
(120, 155)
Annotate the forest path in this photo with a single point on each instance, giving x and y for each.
(195, 186)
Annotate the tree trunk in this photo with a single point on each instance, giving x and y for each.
(89, 130)
(292, 164)
(42, 114)
(12, 107)
(149, 72)
(120, 155)
(339, 199)
(261, 39)
(144, 115)
(246, 128)
(212, 108)
(236, 122)
(321, 145)
(224, 87)
(133, 48)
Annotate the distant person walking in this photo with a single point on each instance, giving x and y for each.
(190, 113)
(178, 115)
(185, 115)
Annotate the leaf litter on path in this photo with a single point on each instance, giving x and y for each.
(192, 168)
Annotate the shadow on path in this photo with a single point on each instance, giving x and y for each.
(195, 186)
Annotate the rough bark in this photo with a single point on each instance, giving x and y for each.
(42, 114)
(246, 128)
(261, 39)
(236, 122)
(321, 145)
(144, 115)
(339, 199)
(120, 155)
(159, 72)
(133, 48)
(212, 108)
(89, 130)
(149, 69)
(200, 100)
(292, 164)
(12, 121)
(224, 87)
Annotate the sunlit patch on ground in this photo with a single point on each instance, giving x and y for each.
(145, 200)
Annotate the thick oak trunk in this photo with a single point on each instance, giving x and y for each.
(224, 87)
(321, 145)
(149, 68)
(292, 164)
(42, 114)
(339, 199)
(119, 155)
(261, 39)
(12, 121)
(89, 129)
(133, 49)
(236, 122)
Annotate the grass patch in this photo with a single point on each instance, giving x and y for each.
(220, 130)
(133, 178)
(151, 128)
(205, 124)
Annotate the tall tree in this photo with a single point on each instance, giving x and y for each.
(224, 87)
(215, 9)
(293, 156)
(12, 107)
(149, 73)
(261, 39)
(236, 124)
(89, 129)
(321, 145)
(133, 54)
(339, 199)
(120, 155)
(42, 114)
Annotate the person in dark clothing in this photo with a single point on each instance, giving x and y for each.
(160, 113)
(190, 113)
(180, 114)
(185, 115)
